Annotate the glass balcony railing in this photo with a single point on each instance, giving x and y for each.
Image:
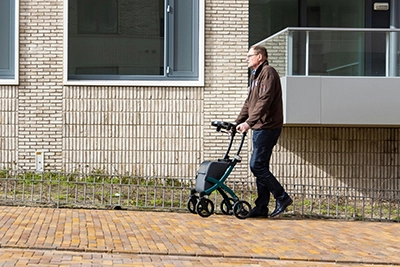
(335, 52)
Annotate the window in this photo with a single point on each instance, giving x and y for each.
(8, 42)
(130, 41)
(97, 16)
(270, 17)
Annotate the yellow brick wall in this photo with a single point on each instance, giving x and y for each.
(165, 131)
(145, 131)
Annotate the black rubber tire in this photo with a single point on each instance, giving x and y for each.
(205, 207)
(227, 206)
(242, 209)
(191, 204)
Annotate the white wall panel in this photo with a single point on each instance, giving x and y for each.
(341, 100)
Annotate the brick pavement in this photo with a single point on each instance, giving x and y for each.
(32, 236)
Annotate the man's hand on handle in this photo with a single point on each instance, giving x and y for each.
(243, 127)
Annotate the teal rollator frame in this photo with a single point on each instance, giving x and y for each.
(212, 175)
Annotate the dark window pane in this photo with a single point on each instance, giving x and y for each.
(116, 37)
(183, 28)
(7, 15)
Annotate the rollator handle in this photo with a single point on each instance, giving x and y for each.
(230, 127)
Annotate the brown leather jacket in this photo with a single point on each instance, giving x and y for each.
(263, 106)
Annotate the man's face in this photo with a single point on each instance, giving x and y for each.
(253, 59)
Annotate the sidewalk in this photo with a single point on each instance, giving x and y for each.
(73, 237)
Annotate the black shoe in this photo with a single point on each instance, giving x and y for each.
(258, 213)
(281, 205)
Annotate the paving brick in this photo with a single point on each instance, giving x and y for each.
(32, 236)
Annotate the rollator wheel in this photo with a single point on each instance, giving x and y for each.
(205, 207)
(227, 206)
(241, 209)
(191, 204)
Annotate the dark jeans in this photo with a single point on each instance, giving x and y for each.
(263, 143)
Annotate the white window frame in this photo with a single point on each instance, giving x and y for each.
(201, 63)
(15, 80)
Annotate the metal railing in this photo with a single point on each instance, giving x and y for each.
(314, 51)
(97, 190)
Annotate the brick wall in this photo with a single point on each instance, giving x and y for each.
(40, 92)
(353, 157)
(166, 131)
(226, 72)
(8, 126)
(145, 131)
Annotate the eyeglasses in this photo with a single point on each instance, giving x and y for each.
(249, 56)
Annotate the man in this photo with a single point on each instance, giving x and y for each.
(262, 112)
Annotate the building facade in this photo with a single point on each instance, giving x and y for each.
(123, 87)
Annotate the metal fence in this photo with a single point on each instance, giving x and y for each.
(98, 190)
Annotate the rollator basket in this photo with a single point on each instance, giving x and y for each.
(211, 169)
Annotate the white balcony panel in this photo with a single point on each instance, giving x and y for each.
(301, 100)
(323, 100)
